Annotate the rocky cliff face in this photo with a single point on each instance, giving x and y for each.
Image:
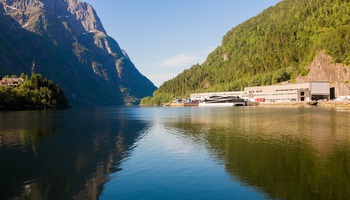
(79, 15)
(69, 45)
(323, 68)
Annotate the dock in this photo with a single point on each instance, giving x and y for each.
(292, 103)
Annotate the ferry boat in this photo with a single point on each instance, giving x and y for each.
(222, 101)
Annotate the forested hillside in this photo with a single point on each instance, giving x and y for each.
(34, 92)
(273, 47)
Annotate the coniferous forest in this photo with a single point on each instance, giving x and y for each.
(273, 47)
(34, 92)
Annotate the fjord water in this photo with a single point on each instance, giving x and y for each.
(175, 153)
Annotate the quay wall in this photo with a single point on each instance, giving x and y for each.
(345, 104)
(298, 104)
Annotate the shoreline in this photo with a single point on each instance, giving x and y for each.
(338, 104)
(33, 108)
(335, 104)
(294, 103)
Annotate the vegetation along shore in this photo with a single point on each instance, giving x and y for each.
(36, 92)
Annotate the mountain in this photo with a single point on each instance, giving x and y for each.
(65, 41)
(278, 45)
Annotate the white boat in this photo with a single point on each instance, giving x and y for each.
(222, 101)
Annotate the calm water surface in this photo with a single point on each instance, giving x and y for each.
(175, 153)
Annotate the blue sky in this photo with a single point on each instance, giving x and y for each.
(164, 37)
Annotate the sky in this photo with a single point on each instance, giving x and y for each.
(164, 37)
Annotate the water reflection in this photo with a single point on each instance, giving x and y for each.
(65, 154)
(282, 153)
(287, 153)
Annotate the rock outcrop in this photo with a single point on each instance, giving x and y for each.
(323, 68)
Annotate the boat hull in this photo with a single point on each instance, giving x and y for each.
(228, 104)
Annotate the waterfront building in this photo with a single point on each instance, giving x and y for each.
(312, 91)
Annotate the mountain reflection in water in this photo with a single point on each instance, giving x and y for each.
(287, 153)
(65, 154)
(175, 153)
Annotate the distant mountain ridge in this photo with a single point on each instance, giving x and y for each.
(277, 45)
(68, 43)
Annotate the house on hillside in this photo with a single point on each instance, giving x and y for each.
(11, 82)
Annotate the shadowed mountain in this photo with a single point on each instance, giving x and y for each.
(68, 44)
(63, 154)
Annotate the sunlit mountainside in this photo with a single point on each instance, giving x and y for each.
(278, 45)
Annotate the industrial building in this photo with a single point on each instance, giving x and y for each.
(312, 91)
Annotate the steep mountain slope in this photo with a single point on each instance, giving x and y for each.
(275, 46)
(68, 44)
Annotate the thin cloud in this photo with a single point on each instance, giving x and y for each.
(159, 78)
(180, 60)
(172, 66)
